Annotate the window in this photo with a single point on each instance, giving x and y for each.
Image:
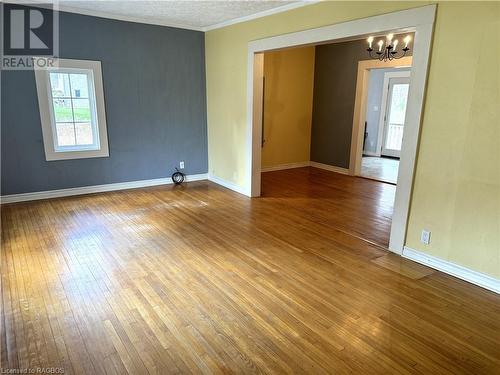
(71, 101)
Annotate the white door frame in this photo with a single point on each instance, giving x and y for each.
(365, 68)
(418, 20)
(383, 105)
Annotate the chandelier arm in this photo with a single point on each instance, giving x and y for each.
(402, 55)
(371, 55)
(387, 54)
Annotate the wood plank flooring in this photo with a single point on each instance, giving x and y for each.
(199, 279)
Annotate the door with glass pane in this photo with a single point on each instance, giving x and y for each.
(397, 100)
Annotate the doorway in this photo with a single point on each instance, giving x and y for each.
(419, 20)
(386, 104)
(393, 119)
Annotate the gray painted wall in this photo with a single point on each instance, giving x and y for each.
(373, 105)
(335, 74)
(154, 87)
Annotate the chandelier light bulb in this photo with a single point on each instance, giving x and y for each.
(380, 44)
(388, 48)
(370, 41)
(407, 40)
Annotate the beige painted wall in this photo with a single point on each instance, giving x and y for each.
(456, 192)
(457, 183)
(289, 77)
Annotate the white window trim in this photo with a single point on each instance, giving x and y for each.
(45, 105)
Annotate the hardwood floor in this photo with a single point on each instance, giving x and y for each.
(355, 206)
(201, 279)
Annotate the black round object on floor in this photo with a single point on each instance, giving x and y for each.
(178, 177)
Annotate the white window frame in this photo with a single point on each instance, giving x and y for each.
(100, 147)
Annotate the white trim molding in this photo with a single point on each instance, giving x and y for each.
(280, 167)
(37, 195)
(474, 277)
(419, 20)
(228, 185)
(56, 5)
(145, 20)
(331, 168)
(358, 120)
(383, 105)
(265, 13)
(328, 167)
(97, 108)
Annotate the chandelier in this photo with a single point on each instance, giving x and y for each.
(389, 51)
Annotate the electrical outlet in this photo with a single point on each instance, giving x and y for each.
(181, 165)
(425, 237)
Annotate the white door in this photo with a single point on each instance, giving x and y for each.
(395, 113)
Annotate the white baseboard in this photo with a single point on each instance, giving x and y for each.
(229, 185)
(242, 190)
(330, 168)
(280, 167)
(94, 189)
(453, 269)
(370, 153)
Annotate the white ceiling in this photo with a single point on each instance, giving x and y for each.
(190, 14)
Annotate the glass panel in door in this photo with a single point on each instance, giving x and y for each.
(395, 116)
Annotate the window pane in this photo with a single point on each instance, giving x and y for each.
(65, 134)
(81, 109)
(394, 138)
(84, 135)
(79, 85)
(398, 103)
(59, 82)
(62, 110)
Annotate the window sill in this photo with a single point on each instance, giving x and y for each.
(68, 155)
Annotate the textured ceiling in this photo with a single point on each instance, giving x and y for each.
(189, 14)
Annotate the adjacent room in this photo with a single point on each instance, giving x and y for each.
(309, 100)
(386, 102)
(250, 187)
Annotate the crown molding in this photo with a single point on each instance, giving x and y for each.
(94, 13)
(264, 13)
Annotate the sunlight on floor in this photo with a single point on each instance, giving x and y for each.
(382, 169)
